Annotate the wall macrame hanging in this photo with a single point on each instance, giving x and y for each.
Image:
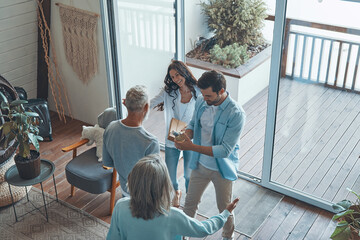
(79, 31)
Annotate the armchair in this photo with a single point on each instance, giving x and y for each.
(85, 172)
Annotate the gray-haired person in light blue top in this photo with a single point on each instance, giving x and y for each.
(126, 141)
(147, 214)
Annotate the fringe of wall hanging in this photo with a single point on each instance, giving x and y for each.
(56, 84)
(80, 43)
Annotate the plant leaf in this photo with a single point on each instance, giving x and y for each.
(34, 140)
(357, 195)
(341, 233)
(32, 114)
(6, 127)
(3, 98)
(17, 102)
(342, 214)
(342, 206)
(4, 105)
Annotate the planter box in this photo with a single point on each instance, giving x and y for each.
(243, 82)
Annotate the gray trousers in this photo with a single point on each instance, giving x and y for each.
(199, 180)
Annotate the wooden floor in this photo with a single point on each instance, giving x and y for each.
(291, 219)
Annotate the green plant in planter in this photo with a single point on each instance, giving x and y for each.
(348, 217)
(22, 126)
(236, 21)
(230, 56)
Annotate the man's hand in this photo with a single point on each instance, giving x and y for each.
(232, 205)
(184, 145)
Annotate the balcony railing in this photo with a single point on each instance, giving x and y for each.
(323, 54)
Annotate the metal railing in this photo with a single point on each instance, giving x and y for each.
(322, 54)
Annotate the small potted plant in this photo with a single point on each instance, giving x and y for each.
(22, 126)
(348, 217)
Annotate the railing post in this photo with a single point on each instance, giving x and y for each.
(285, 47)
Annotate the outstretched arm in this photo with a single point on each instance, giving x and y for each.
(192, 227)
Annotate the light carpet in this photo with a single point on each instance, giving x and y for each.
(65, 221)
(255, 205)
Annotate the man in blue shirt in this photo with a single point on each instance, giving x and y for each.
(215, 129)
(126, 141)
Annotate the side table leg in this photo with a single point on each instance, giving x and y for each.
(55, 189)
(13, 203)
(27, 195)
(42, 190)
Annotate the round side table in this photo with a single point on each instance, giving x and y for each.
(12, 177)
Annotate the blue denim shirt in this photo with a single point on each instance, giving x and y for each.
(228, 125)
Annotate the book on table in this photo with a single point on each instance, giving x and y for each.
(177, 126)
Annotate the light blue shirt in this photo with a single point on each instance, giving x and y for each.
(124, 146)
(181, 111)
(228, 125)
(164, 227)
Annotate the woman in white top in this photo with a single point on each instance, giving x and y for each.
(177, 98)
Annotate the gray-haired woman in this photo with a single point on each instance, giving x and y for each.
(147, 214)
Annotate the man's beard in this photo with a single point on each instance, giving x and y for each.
(215, 101)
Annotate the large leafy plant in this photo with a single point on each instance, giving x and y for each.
(20, 125)
(236, 21)
(348, 217)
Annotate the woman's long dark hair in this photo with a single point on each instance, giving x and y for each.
(171, 87)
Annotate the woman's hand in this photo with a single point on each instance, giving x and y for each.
(232, 205)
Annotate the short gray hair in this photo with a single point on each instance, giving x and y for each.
(136, 98)
(150, 188)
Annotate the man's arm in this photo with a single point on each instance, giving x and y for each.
(107, 160)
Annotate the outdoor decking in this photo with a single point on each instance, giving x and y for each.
(316, 143)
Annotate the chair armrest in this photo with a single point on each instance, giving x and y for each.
(75, 145)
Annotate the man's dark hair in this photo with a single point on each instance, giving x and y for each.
(213, 79)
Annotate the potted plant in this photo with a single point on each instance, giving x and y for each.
(348, 217)
(22, 126)
(236, 26)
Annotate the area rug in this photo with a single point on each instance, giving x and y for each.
(65, 221)
(255, 205)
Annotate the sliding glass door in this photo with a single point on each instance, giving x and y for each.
(312, 141)
(146, 39)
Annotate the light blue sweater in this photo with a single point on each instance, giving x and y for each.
(172, 226)
(124, 146)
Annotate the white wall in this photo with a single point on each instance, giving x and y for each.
(245, 88)
(87, 101)
(195, 24)
(18, 44)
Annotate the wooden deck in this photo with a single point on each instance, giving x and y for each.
(317, 141)
(291, 219)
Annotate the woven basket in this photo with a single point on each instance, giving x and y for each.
(18, 192)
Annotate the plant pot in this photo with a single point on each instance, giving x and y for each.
(28, 168)
(354, 233)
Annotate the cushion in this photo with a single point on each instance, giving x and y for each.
(107, 117)
(86, 173)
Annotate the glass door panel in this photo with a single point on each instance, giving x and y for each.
(146, 39)
(316, 145)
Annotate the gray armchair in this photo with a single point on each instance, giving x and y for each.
(85, 172)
